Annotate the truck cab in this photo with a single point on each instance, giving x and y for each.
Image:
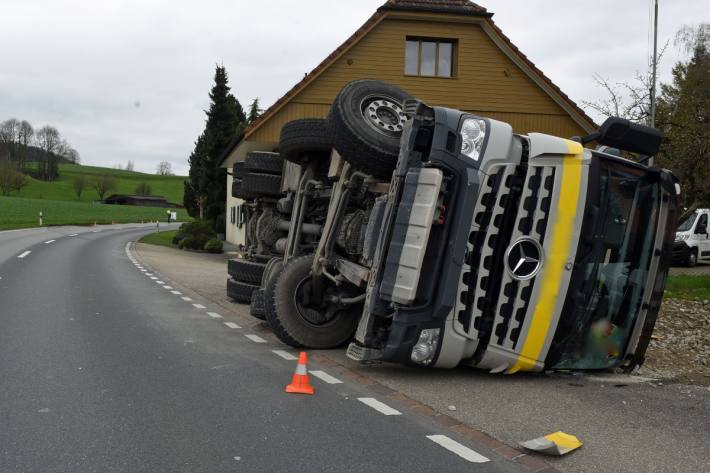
(692, 241)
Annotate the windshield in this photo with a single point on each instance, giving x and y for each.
(688, 222)
(616, 273)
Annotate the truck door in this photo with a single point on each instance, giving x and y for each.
(702, 237)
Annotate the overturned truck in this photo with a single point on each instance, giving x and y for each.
(431, 236)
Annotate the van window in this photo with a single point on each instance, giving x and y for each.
(687, 224)
(702, 226)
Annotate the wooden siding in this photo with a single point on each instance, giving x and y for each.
(486, 81)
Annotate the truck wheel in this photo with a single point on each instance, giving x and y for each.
(245, 271)
(256, 309)
(305, 139)
(366, 122)
(238, 170)
(264, 162)
(297, 322)
(240, 291)
(692, 258)
(260, 184)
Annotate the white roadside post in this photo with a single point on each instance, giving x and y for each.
(40, 218)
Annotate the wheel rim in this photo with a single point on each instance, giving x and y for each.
(310, 315)
(384, 115)
(692, 259)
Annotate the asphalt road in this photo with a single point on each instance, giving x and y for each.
(104, 369)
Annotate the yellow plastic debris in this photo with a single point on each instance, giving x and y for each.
(557, 443)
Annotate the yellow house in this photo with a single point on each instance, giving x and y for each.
(444, 52)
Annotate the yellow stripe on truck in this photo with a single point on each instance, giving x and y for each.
(555, 260)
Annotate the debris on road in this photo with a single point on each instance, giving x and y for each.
(557, 444)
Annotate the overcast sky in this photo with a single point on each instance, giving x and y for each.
(128, 80)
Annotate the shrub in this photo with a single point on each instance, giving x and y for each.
(213, 246)
(186, 242)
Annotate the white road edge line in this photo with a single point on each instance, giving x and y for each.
(24, 254)
(379, 406)
(460, 450)
(214, 315)
(325, 377)
(198, 306)
(285, 355)
(231, 325)
(255, 338)
(49, 241)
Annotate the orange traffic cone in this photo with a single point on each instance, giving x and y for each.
(299, 383)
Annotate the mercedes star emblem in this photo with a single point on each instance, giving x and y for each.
(524, 259)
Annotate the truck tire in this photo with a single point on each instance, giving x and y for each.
(245, 271)
(260, 184)
(305, 139)
(239, 192)
(240, 291)
(264, 162)
(238, 170)
(692, 259)
(366, 122)
(256, 308)
(301, 326)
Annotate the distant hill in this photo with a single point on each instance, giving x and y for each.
(170, 187)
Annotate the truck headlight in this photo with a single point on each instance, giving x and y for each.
(473, 131)
(425, 348)
(681, 237)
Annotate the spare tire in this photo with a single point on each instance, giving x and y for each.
(240, 291)
(238, 170)
(366, 122)
(259, 184)
(304, 140)
(262, 161)
(245, 271)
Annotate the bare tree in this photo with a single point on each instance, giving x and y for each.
(625, 99)
(130, 166)
(104, 184)
(66, 151)
(8, 137)
(10, 179)
(79, 184)
(165, 169)
(49, 140)
(25, 136)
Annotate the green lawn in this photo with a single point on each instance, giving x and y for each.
(160, 238)
(688, 287)
(17, 212)
(170, 187)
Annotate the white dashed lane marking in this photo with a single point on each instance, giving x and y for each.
(186, 299)
(153, 278)
(322, 375)
(285, 355)
(255, 338)
(168, 287)
(460, 450)
(73, 234)
(198, 306)
(49, 241)
(214, 315)
(160, 282)
(231, 325)
(22, 255)
(177, 293)
(379, 406)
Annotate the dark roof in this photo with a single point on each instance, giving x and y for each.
(137, 197)
(462, 7)
(458, 7)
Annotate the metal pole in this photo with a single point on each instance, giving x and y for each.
(653, 73)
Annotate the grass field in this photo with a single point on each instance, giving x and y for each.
(160, 238)
(170, 187)
(17, 212)
(688, 287)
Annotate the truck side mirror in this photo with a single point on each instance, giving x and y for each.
(628, 136)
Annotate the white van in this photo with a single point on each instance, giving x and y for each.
(692, 241)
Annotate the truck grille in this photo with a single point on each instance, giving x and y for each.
(514, 201)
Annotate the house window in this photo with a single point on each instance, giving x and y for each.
(429, 57)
